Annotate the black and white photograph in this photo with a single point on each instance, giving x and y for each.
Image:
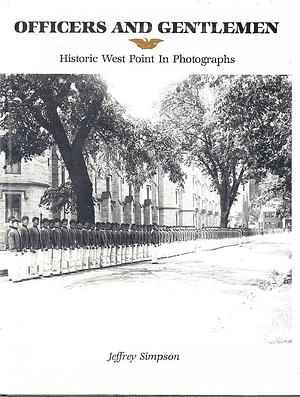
(198, 198)
(148, 226)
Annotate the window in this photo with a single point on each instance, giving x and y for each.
(176, 196)
(12, 206)
(108, 183)
(148, 191)
(12, 168)
(177, 219)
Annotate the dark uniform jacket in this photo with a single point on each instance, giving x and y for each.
(14, 240)
(35, 237)
(45, 238)
(79, 241)
(56, 238)
(127, 238)
(92, 238)
(85, 237)
(148, 237)
(97, 237)
(136, 236)
(109, 237)
(72, 237)
(25, 237)
(114, 237)
(155, 237)
(65, 237)
(103, 238)
(118, 237)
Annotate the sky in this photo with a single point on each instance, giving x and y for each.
(140, 92)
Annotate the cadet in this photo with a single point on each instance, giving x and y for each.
(79, 245)
(127, 244)
(92, 245)
(72, 246)
(140, 243)
(46, 247)
(144, 240)
(133, 242)
(9, 220)
(112, 245)
(86, 247)
(15, 247)
(25, 240)
(104, 246)
(109, 242)
(35, 240)
(148, 241)
(119, 243)
(122, 243)
(155, 239)
(98, 245)
(56, 240)
(65, 246)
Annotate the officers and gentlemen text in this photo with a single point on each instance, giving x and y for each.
(164, 27)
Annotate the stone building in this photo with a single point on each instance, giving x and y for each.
(21, 187)
(158, 200)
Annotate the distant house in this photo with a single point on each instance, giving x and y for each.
(268, 218)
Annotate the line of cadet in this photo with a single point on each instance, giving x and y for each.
(59, 247)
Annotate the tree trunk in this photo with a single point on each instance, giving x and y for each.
(225, 210)
(83, 189)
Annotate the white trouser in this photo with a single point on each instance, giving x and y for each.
(15, 269)
(123, 254)
(56, 261)
(134, 252)
(128, 254)
(154, 253)
(160, 250)
(148, 250)
(85, 258)
(103, 256)
(64, 260)
(92, 258)
(79, 255)
(113, 256)
(118, 254)
(72, 259)
(144, 251)
(139, 252)
(40, 262)
(108, 253)
(26, 265)
(47, 262)
(97, 257)
(34, 257)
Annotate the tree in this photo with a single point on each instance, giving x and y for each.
(76, 114)
(234, 127)
(271, 189)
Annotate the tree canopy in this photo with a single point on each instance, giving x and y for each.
(235, 128)
(76, 114)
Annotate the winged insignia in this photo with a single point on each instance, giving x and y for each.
(146, 44)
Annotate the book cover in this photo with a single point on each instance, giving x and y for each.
(148, 243)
